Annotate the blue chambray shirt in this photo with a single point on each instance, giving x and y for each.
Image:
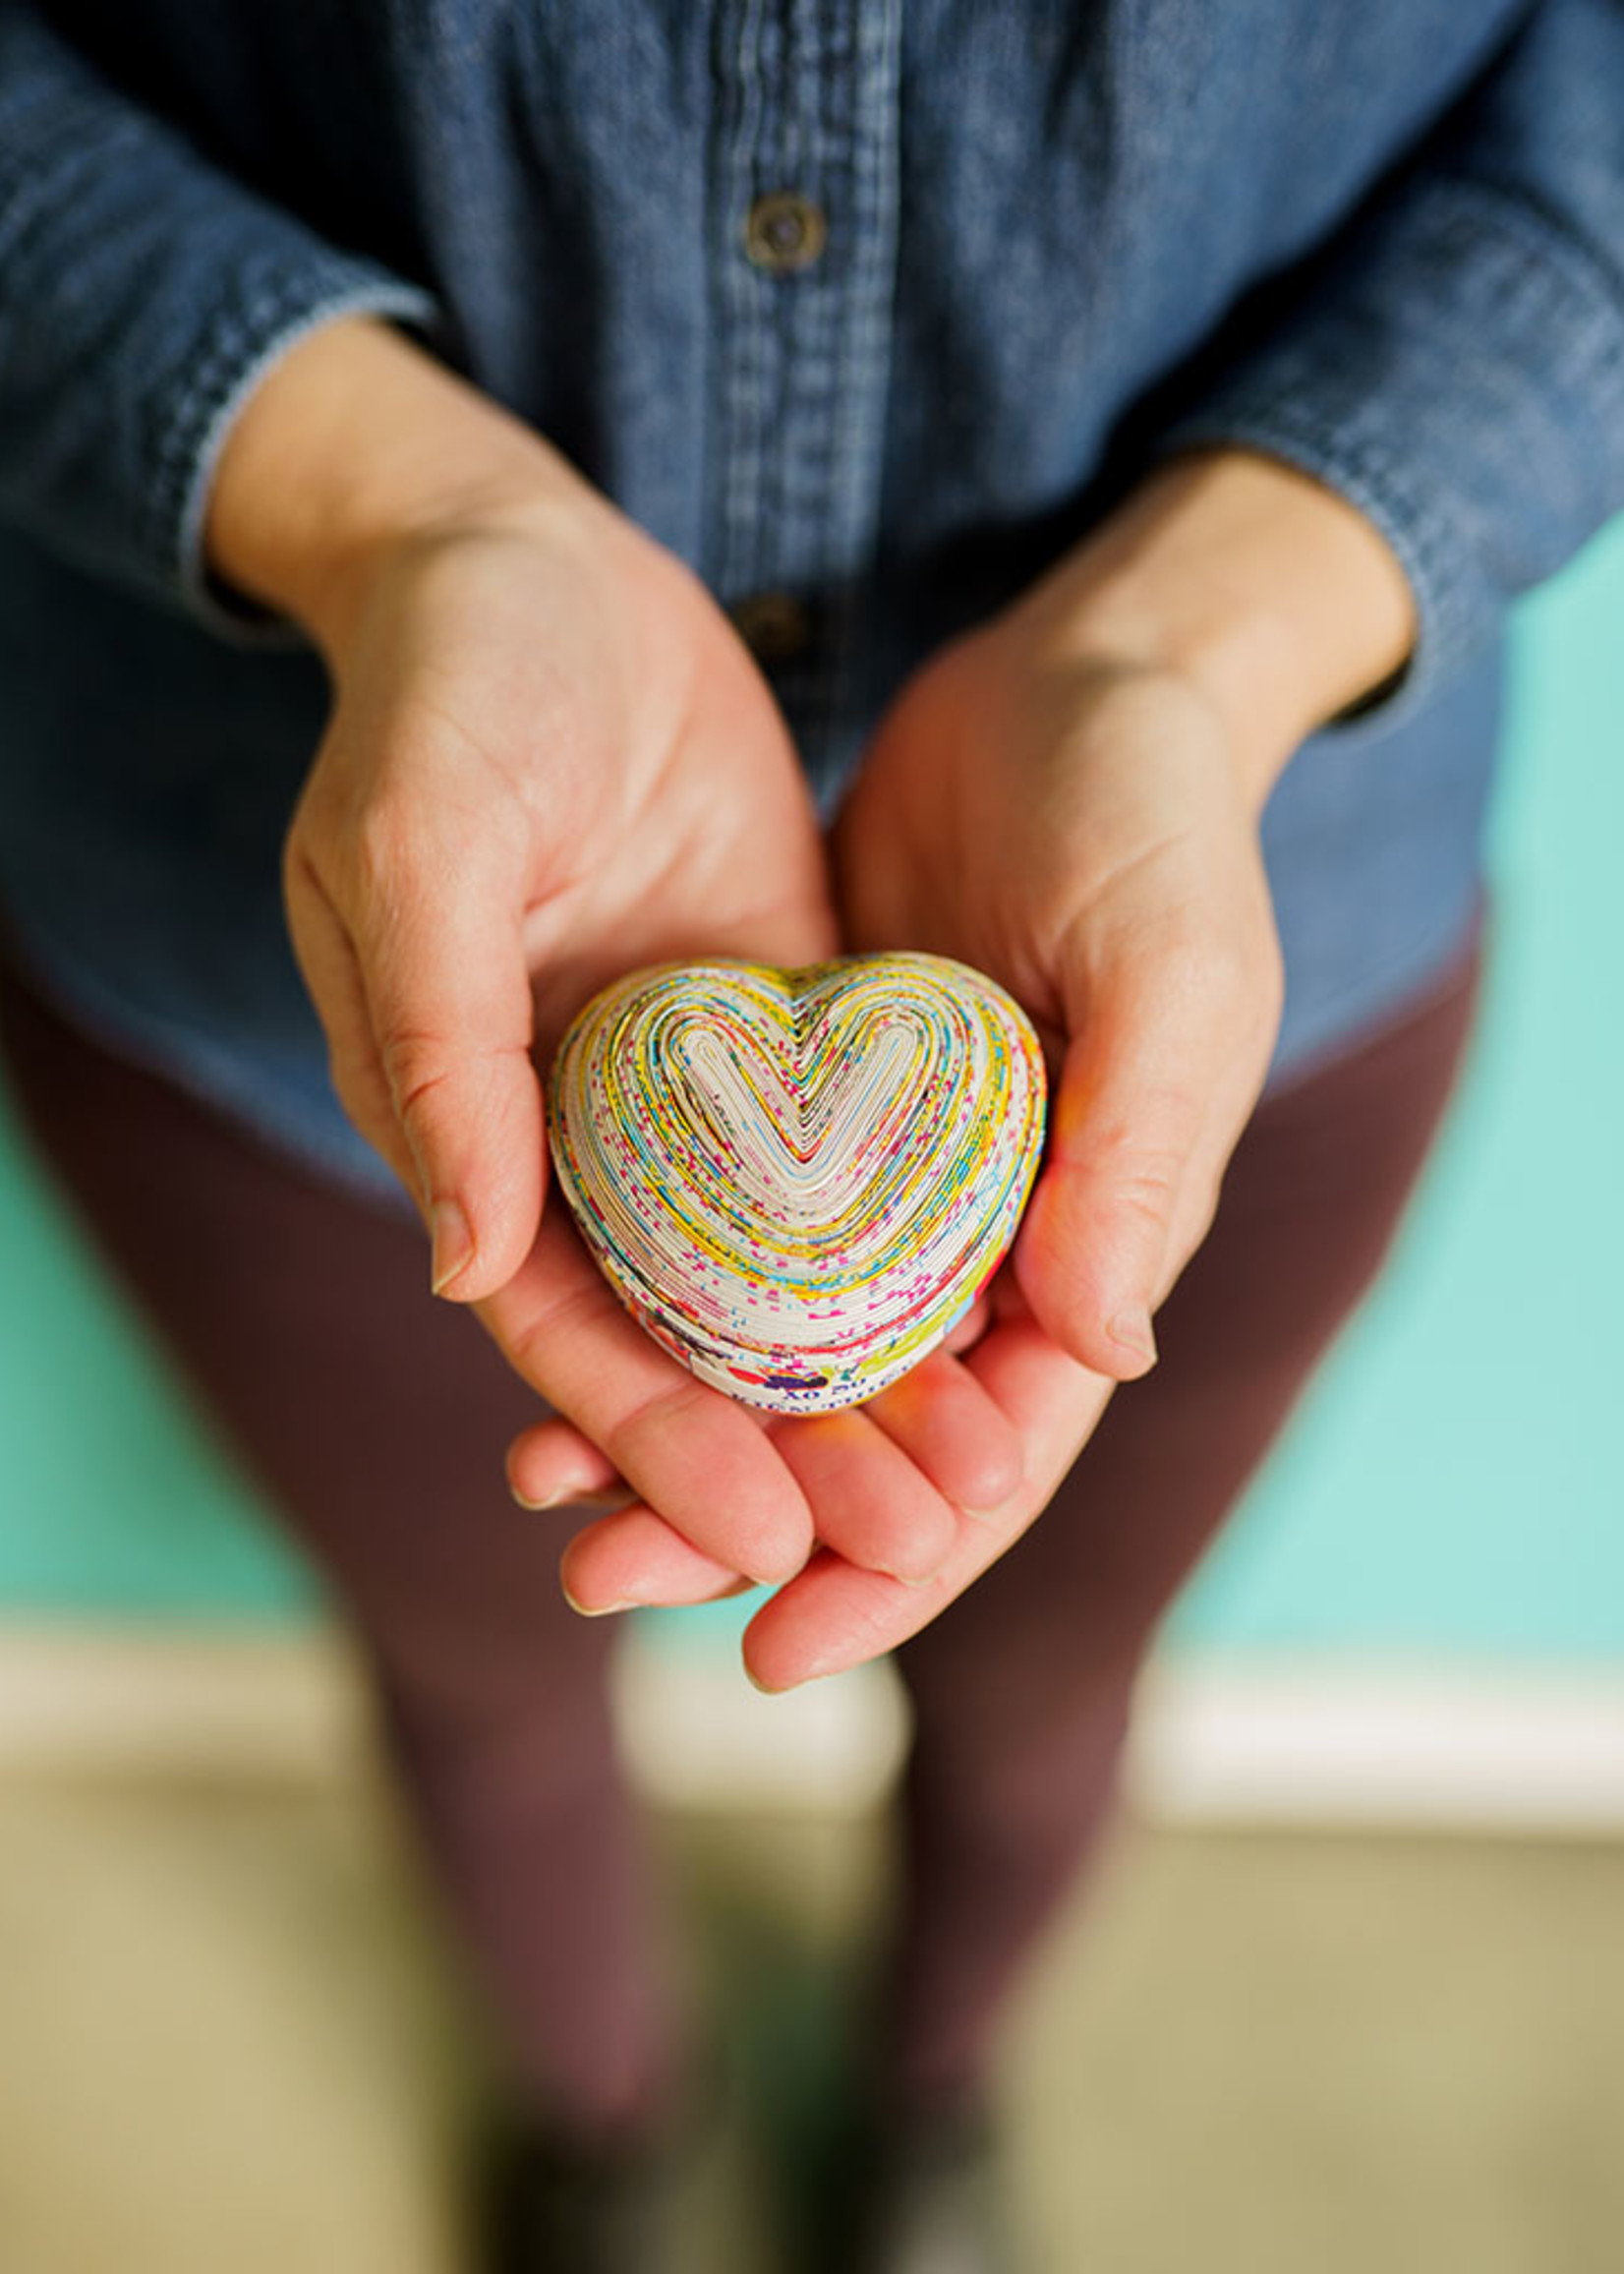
(1041, 246)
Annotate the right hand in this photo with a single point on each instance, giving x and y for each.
(549, 760)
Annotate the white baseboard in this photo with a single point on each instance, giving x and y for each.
(1505, 1749)
(1488, 1748)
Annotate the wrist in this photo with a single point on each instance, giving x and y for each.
(355, 447)
(1276, 600)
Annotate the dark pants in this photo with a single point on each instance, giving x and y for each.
(377, 1420)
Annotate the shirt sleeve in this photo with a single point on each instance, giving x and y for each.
(143, 295)
(1454, 365)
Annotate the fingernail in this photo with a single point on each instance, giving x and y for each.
(817, 1669)
(909, 1578)
(453, 1243)
(571, 1497)
(600, 1609)
(779, 1578)
(1131, 1332)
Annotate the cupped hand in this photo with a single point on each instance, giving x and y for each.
(1068, 800)
(1078, 826)
(1078, 833)
(549, 760)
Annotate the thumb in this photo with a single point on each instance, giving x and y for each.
(448, 991)
(1124, 1150)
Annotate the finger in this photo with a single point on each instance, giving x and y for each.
(327, 964)
(553, 1463)
(1198, 1201)
(971, 1329)
(869, 1501)
(704, 1462)
(634, 1559)
(834, 1616)
(869, 1495)
(942, 1418)
(1157, 1057)
(437, 930)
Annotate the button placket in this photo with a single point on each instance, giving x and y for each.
(805, 215)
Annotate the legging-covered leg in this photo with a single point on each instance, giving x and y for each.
(377, 1420)
(1021, 1689)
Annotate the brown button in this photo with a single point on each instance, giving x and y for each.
(784, 231)
(774, 626)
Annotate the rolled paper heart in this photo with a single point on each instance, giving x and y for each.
(798, 1181)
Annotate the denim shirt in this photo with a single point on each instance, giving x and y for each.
(866, 308)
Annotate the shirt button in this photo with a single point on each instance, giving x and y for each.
(774, 626)
(784, 231)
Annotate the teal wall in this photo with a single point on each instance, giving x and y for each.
(1453, 1485)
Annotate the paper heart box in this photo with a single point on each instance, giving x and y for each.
(798, 1181)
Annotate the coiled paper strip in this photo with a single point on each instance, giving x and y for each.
(798, 1181)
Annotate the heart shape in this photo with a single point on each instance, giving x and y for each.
(798, 1181)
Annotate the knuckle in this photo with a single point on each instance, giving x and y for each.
(1207, 968)
(417, 1061)
(431, 1078)
(305, 892)
(648, 1418)
(1208, 950)
(1147, 1194)
(385, 848)
(1143, 1155)
(557, 1320)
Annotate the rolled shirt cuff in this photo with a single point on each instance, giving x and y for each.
(1463, 386)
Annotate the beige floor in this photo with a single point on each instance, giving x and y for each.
(229, 2044)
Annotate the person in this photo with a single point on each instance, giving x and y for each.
(497, 496)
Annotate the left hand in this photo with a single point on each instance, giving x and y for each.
(1067, 799)
(1081, 832)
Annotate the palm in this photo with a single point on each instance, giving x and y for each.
(1079, 836)
(616, 733)
(922, 857)
(1107, 872)
(697, 838)
(701, 842)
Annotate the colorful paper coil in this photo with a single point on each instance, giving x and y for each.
(798, 1181)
